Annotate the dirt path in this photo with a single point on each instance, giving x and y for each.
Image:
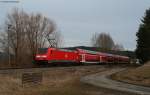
(102, 80)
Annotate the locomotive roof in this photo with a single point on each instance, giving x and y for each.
(66, 50)
(102, 53)
(88, 51)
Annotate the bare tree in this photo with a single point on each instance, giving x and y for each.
(14, 27)
(94, 40)
(118, 47)
(24, 33)
(103, 40)
(38, 27)
(3, 41)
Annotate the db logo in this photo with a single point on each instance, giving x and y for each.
(66, 56)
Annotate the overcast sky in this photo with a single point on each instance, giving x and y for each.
(79, 19)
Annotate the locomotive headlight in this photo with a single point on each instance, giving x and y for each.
(38, 56)
(41, 56)
(44, 56)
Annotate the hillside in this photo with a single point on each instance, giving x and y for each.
(139, 76)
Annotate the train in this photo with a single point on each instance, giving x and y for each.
(78, 56)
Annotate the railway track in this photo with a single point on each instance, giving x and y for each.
(64, 66)
(19, 71)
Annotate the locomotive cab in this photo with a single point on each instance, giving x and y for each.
(41, 56)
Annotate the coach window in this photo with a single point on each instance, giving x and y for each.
(42, 50)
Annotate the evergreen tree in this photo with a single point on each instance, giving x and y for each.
(143, 39)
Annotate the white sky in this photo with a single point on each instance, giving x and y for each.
(79, 19)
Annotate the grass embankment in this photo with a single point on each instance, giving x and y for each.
(138, 76)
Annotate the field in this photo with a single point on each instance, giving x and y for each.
(56, 81)
(138, 76)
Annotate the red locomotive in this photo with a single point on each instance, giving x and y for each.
(51, 55)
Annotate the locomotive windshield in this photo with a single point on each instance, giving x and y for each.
(42, 50)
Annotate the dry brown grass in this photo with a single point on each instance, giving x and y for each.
(55, 82)
(140, 75)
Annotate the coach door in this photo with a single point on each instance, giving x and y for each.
(100, 59)
(82, 57)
